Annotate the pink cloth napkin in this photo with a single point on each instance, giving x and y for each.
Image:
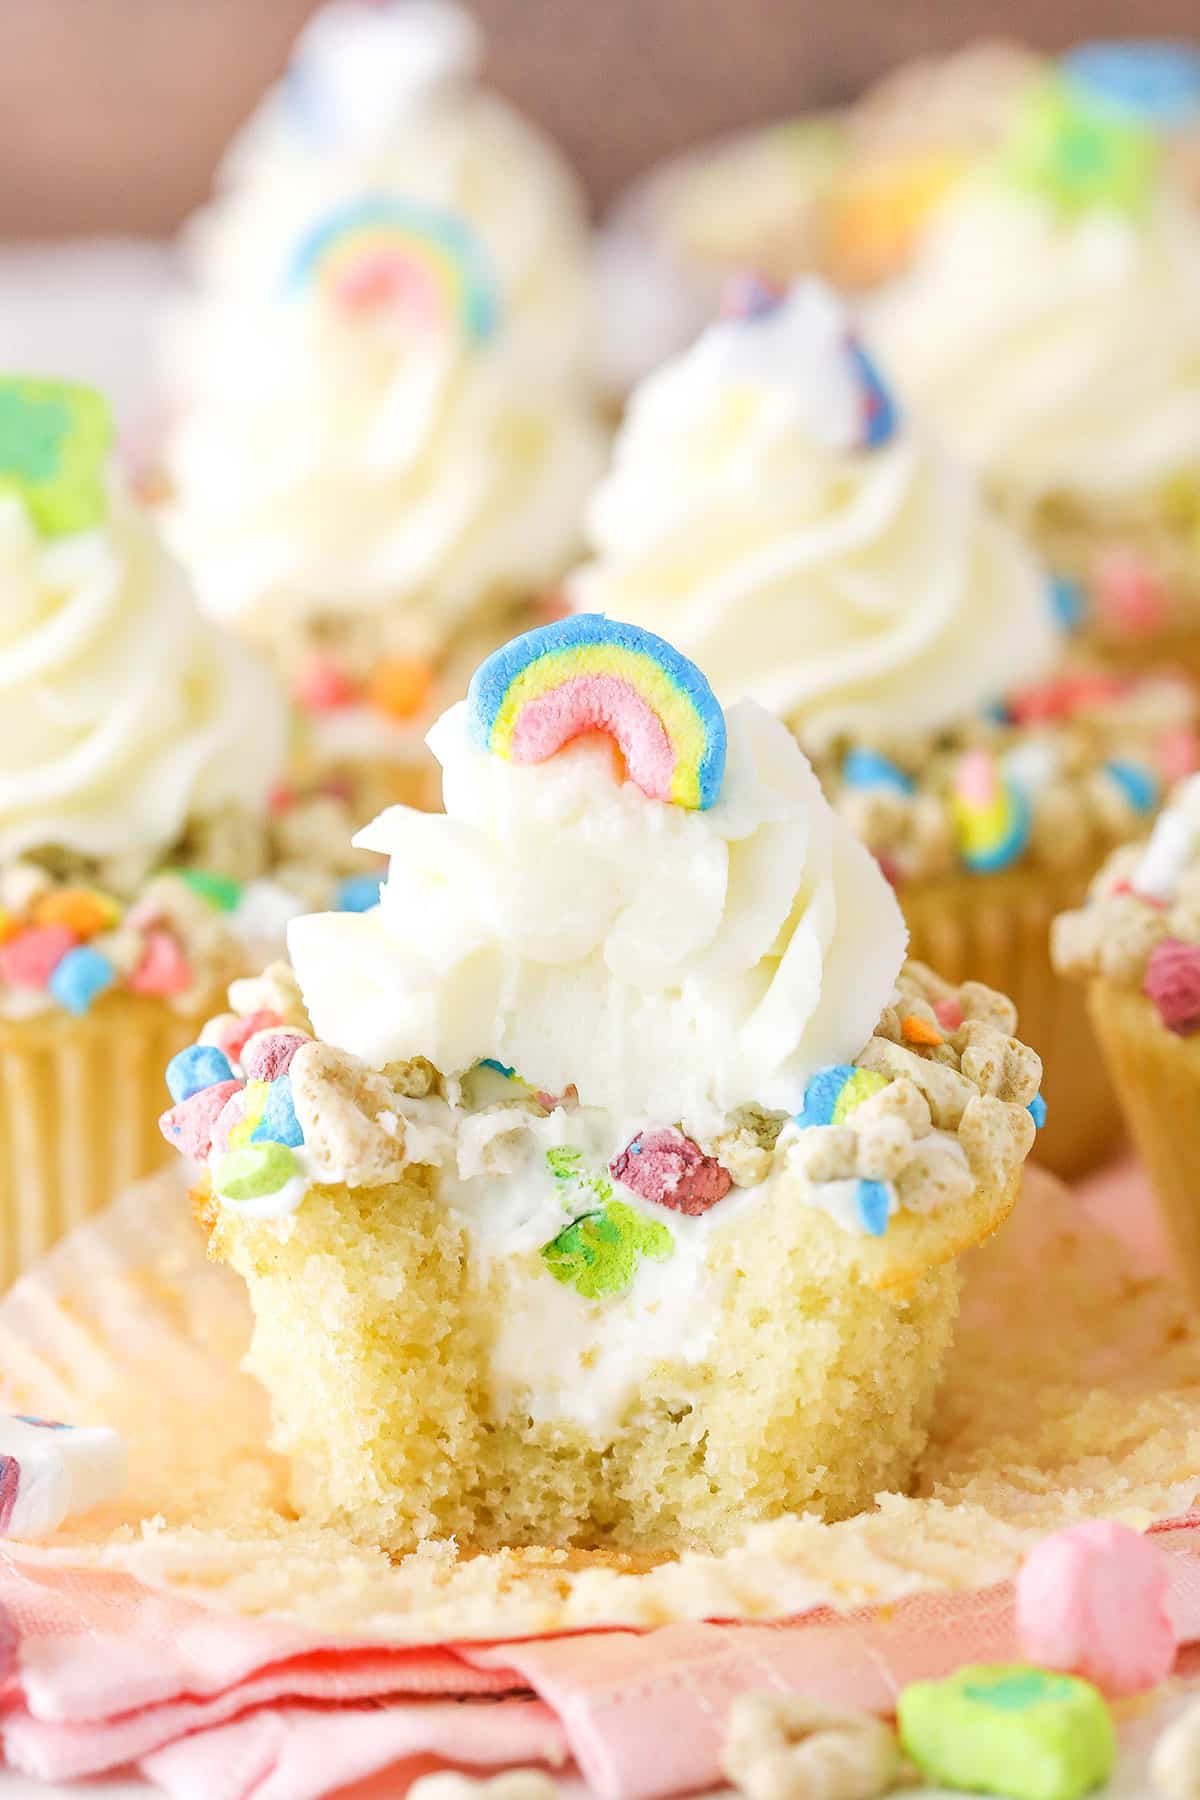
(212, 1708)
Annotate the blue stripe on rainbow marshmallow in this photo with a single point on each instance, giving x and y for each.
(1152, 80)
(833, 1093)
(393, 249)
(588, 673)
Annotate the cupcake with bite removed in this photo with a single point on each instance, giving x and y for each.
(1048, 328)
(383, 420)
(147, 853)
(771, 510)
(605, 1186)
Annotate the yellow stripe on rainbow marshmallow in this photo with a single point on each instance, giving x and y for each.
(669, 703)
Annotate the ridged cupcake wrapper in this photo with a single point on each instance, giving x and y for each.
(1157, 1078)
(996, 929)
(79, 1105)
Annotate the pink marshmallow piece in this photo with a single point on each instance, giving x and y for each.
(30, 959)
(321, 685)
(1178, 752)
(603, 703)
(189, 1126)
(236, 1034)
(268, 1054)
(1092, 1601)
(668, 1168)
(1129, 594)
(948, 1013)
(163, 969)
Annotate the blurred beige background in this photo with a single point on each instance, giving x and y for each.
(113, 112)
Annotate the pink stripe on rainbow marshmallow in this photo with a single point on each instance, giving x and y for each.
(599, 703)
(384, 279)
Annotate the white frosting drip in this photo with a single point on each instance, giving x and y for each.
(1060, 356)
(847, 588)
(325, 462)
(122, 711)
(672, 965)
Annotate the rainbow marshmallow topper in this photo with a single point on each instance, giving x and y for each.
(383, 252)
(588, 673)
(991, 815)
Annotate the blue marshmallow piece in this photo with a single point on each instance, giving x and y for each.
(1067, 602)
(873, 1201)
(864, 768)
(198, 1067)
(1037, 1110)
(358, 893)
(1136, 783)
(81, 977)
(279, 1124)
(1153, 80)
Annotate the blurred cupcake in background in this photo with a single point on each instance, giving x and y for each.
(1048, 327)
(848, 193)
(383, 411)
(910, 139)
(770, 511)
(145, 854)
(1136, 948)
(842, 193)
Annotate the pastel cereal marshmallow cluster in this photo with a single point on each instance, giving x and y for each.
(1052, 774)
(50, 1473)
(267, 1109)
(67, 943)
(941, 1090)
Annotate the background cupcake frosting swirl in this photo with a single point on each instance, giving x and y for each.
(768, 510)
(122, 713)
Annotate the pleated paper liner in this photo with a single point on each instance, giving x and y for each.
(1157, 1076)
(128, 1324)
(79, 1106)
(995, 928)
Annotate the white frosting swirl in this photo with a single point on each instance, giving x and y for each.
(328, 461)
(122, 711)
(1060, 356)
(671, 964)
(847, 587)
